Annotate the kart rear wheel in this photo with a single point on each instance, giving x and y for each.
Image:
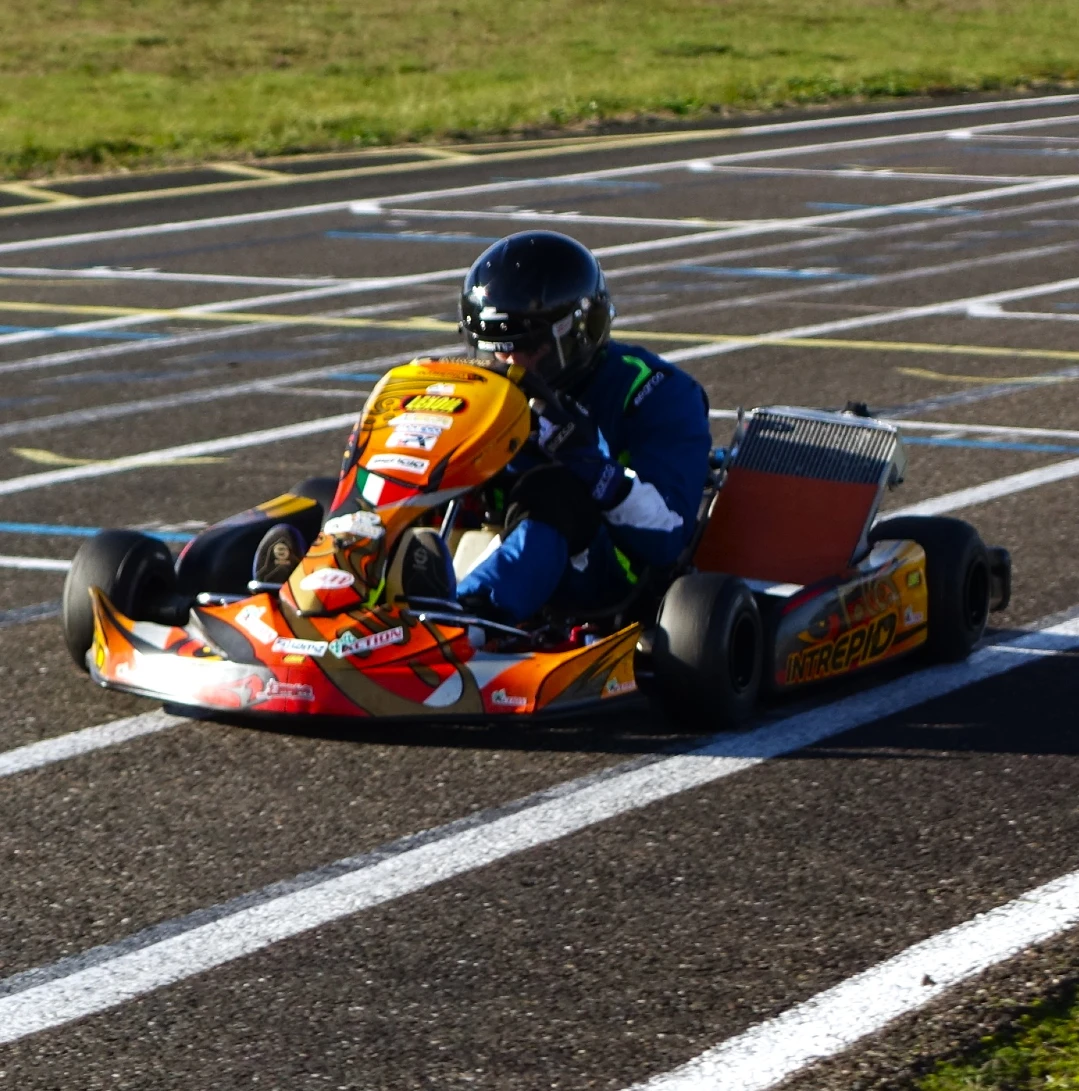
(958, 577)
(134, 570)
(708, 650)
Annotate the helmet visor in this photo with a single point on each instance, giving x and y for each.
(539, 350)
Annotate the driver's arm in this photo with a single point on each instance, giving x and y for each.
(667, 441)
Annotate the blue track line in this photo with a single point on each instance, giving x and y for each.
(102, 335)
(10, 403)
(990, 445)
(397, 236)
(987, 445)
(772, 273)
(38, 611)
(842, 206)
(582, 183)
(61, 530)
(988, 149)
(89, 378)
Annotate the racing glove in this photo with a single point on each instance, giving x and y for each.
(568, 436)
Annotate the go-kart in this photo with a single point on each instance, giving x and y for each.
(786, 580)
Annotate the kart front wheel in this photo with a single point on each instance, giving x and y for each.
(134, 571)
(958, 576)
(708, 649)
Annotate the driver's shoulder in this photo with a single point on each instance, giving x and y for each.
(641, 381)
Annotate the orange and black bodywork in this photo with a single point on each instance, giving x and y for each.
(330, 643)
(257, 656)
(789, 511)
(875, 614)
(793, 516)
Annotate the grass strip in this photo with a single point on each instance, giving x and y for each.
(1039, 1051)
(92, 84)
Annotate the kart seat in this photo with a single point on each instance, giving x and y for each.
(421, 567)
(472, 547)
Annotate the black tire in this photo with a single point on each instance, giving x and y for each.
(958, 577)
(708, 651)
(134, 570)
(320, 489)
(220, 559)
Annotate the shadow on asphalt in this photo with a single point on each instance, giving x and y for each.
(635, 728)
(1031, 710)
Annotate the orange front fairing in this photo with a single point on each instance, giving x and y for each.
(430, 431)
(257, 655)
(335, 641)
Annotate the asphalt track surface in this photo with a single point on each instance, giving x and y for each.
(921, 262)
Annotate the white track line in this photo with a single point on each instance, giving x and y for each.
(171, 341)
(975, 494)
(693, 238)
(79, 355)
(62, 747)
(993, 310)
(205, 394)
(829, 240)
(363, 208)
(879, 174)
(696, 163)
(73, 356)
(985, 138)
(880, 318)
(912, 227)
(952, 501)
(115, 410)
(75, 328)
(267, 215)
(834, 1020)
(985, 429)
(805, 291)
(34, 564)
(120, 730)
(155, 458)
(826, 219)
(884, 174)
(991, 490)
(339, 392)
(349, 287)
(107, 272)
(823, 219)
(42, 999)
(948, 426)
(57, 359)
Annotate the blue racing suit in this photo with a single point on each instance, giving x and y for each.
(646, 472)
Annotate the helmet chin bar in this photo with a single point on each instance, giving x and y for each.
(552, 366)
(568, 344)
(530, 345)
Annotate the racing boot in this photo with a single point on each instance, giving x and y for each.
(421, 568)
(279, 552)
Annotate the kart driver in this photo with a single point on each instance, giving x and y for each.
(612, 483)
(623, 443)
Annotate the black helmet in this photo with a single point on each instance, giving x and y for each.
(533, 289)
